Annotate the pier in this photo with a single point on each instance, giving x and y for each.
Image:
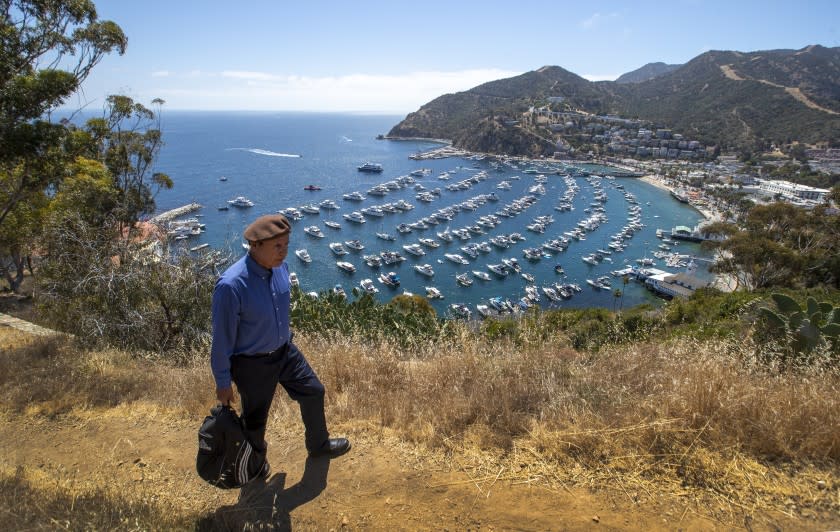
(170, 215)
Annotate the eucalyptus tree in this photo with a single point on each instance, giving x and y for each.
(47, 49)
(127, 139)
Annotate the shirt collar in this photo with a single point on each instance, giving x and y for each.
(255, 268)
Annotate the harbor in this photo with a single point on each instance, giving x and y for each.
(493, 231)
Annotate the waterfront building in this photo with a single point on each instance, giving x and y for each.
(792, 190)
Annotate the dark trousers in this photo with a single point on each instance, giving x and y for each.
(256, 379)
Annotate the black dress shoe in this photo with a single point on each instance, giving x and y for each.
(332, 448)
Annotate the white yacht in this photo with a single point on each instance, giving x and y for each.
(386, 236)
(354, 196)
(414, 249)
(456, 258)
(355, 216)
(425, 269)
(429, 242)
(313, 230)
(498, 269)
(331, 224)
(391, 279)
(368, 286)
(329, 204)
(374, 261)
(484, 276)
(241, 201)
(390, 257)
(446, 236)
(291, 213)
(354, 244)
(346, 266)
(463, 279)
(303, 255)
(433, 293)
(293, 279)
(337, 248)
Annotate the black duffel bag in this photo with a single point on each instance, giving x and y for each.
(226, 459)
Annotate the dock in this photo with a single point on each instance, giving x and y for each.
(170, 215)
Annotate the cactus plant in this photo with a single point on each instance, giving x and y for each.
(807, 327)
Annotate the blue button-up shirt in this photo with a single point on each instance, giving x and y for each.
(250, 314)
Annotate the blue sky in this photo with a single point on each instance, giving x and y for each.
(393, 56)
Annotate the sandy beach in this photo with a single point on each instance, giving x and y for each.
(656, 181)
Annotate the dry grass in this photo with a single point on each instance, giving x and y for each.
(38, 500)
(690, 420)
(694, 420)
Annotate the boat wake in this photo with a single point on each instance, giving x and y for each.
(265, 152)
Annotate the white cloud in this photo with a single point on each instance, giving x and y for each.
(600, 77)
(247, 75)
(597, 19)
(590, 22)
(355, 92)
(160, 74)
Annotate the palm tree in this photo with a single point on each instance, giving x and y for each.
(625, 280)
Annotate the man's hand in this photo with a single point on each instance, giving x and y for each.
(225, 395)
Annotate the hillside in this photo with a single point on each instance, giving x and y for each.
(527, 436)
(723, 98)
(455, 115)
(648, 71)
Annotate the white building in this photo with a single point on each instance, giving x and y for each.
(792, 190)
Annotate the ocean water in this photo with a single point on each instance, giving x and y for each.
(270, 158)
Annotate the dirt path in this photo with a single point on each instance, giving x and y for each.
(380, 485)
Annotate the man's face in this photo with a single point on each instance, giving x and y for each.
(272, 252)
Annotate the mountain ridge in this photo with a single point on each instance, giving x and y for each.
(646, 72)
(737, 100)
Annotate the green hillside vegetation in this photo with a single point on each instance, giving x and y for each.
(457, 114)
(701, 102)
(731, 99)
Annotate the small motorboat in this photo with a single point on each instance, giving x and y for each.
(433, 293)
(303, 255)
(425, 269)
(338, 248)
(311, 187)
(346, 266)
(368, 286)
(313, 230)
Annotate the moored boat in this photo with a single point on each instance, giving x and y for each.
(346, 266)
(424, 269)
(368, 286)
(313, 230)
(459, 310)
(303, 255)
(391, 279)
(241, 201)
(337, 248)
(433, 293)
(370, 167)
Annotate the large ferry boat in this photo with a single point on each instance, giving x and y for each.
(371, 167)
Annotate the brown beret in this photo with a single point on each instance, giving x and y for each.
(266, 227)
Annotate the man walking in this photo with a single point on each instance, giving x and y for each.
(252, 343)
